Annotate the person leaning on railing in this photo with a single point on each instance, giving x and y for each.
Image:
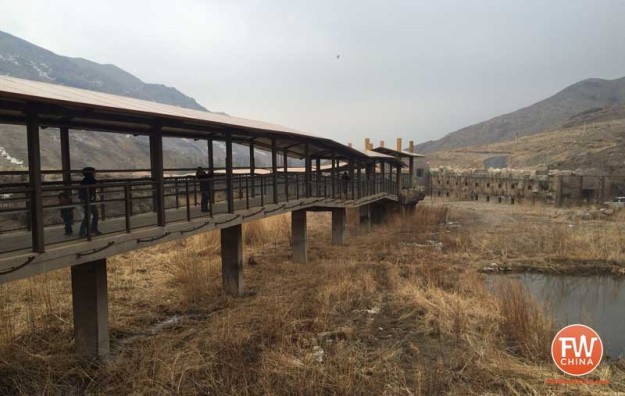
(87, 190)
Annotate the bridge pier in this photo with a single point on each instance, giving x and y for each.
(378, 213)
(90, 303)
(365, 215)
(339, 216)
(299, 238)
(232, 260)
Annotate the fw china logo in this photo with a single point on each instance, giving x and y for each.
(577, 350)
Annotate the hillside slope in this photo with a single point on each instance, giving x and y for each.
(592, 140)
(546, 114)
(19, 58)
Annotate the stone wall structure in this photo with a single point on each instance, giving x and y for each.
(513, 186)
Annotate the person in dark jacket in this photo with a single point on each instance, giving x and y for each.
(88, 191)
(205, 187)
(345, 183)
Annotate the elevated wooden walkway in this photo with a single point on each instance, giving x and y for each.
(139, 212)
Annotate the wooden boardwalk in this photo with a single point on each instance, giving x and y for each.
(64, 251)
(322, 170)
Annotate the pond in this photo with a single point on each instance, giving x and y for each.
(597, 301)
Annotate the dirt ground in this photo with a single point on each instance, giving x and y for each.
(400, 309)
(541, 238)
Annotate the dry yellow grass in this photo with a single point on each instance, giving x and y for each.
(390, 313)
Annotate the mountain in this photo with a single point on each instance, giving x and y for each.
(547, 114)
(19, 58)
(592, 142)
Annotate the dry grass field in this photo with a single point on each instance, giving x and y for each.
(402, 309)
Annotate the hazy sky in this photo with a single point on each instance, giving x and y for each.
(411, 69)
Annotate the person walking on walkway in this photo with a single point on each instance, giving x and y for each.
(88, 192)
(345, 183)
(204, 179)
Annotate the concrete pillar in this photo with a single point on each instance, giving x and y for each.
(232, 260)
(378, 213)
(339, 216)
(298, 236)
(90, 302)
(365, 215)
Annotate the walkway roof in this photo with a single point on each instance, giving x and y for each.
(381, 156)
(395, 153)
(61, 106)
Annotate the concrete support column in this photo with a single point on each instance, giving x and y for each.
(365, 215)
(299, 236)
(378, 213)
(339, 216)
(232, 260)
(90, 302)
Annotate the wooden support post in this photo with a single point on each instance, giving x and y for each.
(229, 175)
(411, 171)
(286, 175)
(383, 175)
(307, 171)
(351, 177)
(374, 182)
(339, 215)
(66, 166)
(156, 168)
(210, 154)
(398, 181)
(232, 260)
(359, 177)
(34, 180)
(368, 186)
(299, 236)
(333, 178)
(211, 170)
(318, 165)
(90, 303)
(274, 168)
(252, 169)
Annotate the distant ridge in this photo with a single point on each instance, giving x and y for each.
(547, 114)
(19, 58)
